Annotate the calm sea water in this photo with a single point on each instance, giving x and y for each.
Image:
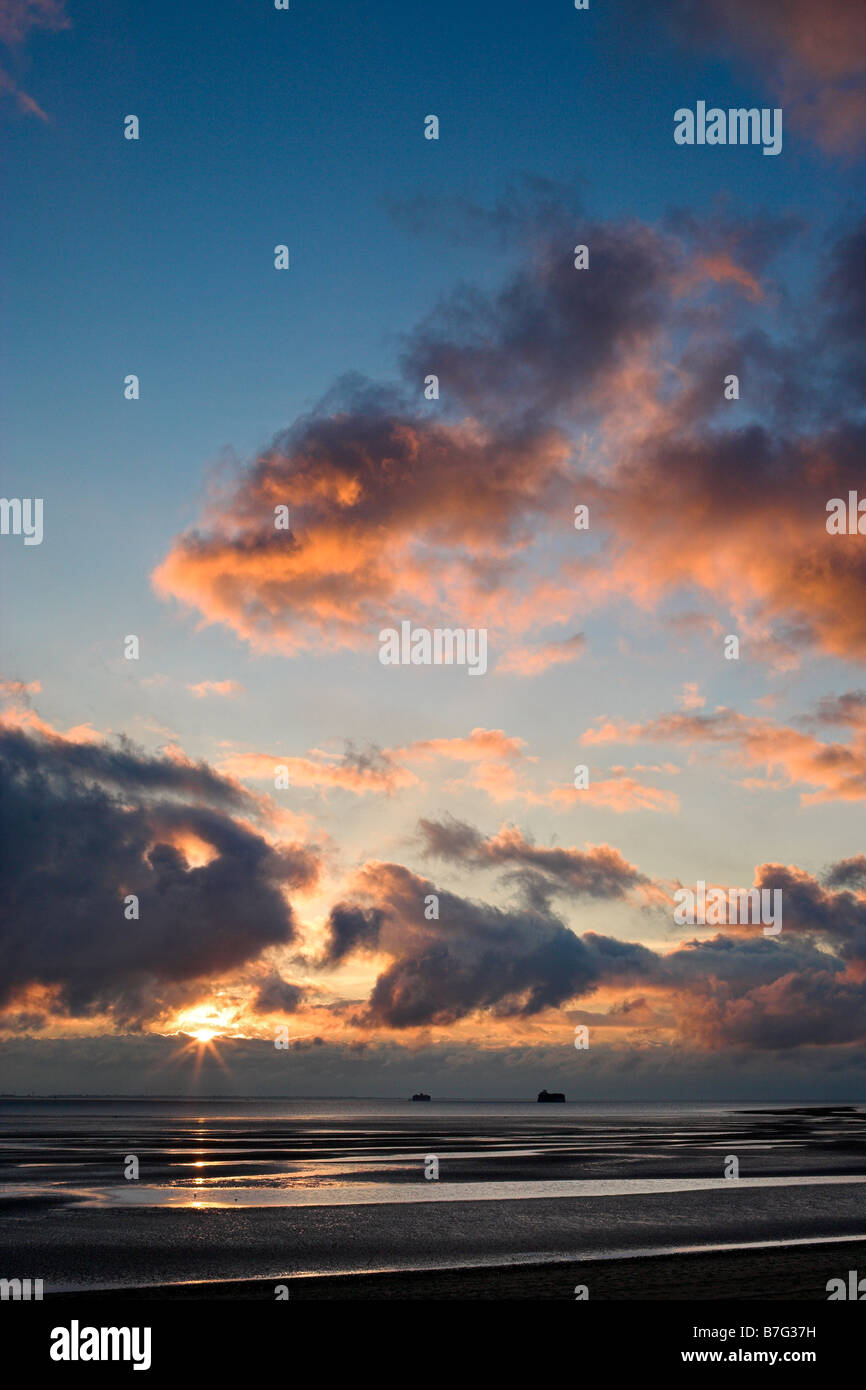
(302, 1151)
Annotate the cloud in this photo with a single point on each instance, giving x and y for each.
(845, 289)
(605, 385)
(371, 539)
(847, 873)
(544, 346)
(277, 996)
(597, 872)
(361, 771)
(86, 825)
(691, 698)
(477, 960)
(529, 205)
(532, 660)
(837, 770)
(18, 692)
(813, 912)
(619, 793)
(795, 1011)
(485, 961)
(813, 61)
(371, 769)
(848, 708)
(481, 745)
(395, 1066)
(352, 930)
(17, 19)
(479, 957)
(228, 689)
(740, 515)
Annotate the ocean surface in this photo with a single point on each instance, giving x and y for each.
(267, 1190)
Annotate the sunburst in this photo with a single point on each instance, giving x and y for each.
(200, 1031)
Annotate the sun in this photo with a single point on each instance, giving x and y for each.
(206, 1022)
(198, 1032)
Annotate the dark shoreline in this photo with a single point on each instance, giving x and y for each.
(799, 1274)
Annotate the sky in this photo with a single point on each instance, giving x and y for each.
(391, 867)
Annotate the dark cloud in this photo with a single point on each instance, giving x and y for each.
(817, 1009)
(845, 293)
(351, 929)
(24, 1022)
(846, 709)
(277, 996)
(538, 348)
(598, 872)
(121, 766)
(737, 964)
(478, 957)
(475, 958)
(837, 919)
(85, 826)
(147, 1065)
(847, 873)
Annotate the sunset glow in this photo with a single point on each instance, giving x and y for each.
(492, 583)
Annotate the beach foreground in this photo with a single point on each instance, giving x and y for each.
(796, 1274)
(330, 1201)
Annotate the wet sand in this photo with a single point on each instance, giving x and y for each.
(94, 1248)
(798, 1274)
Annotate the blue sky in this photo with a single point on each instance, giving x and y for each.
(155, 257)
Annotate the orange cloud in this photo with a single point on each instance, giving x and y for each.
(360, 778)
(372, 541)
(742, 518)
(481, 744)
(18, 689)
(20, 717)
(381, 770)
(721, 268)
(837, 770)
(691, 698)
(620, 794)
(532, 660)
(224, 688)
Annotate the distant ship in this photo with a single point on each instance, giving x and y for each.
(549, 1095)
(420, 1096)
